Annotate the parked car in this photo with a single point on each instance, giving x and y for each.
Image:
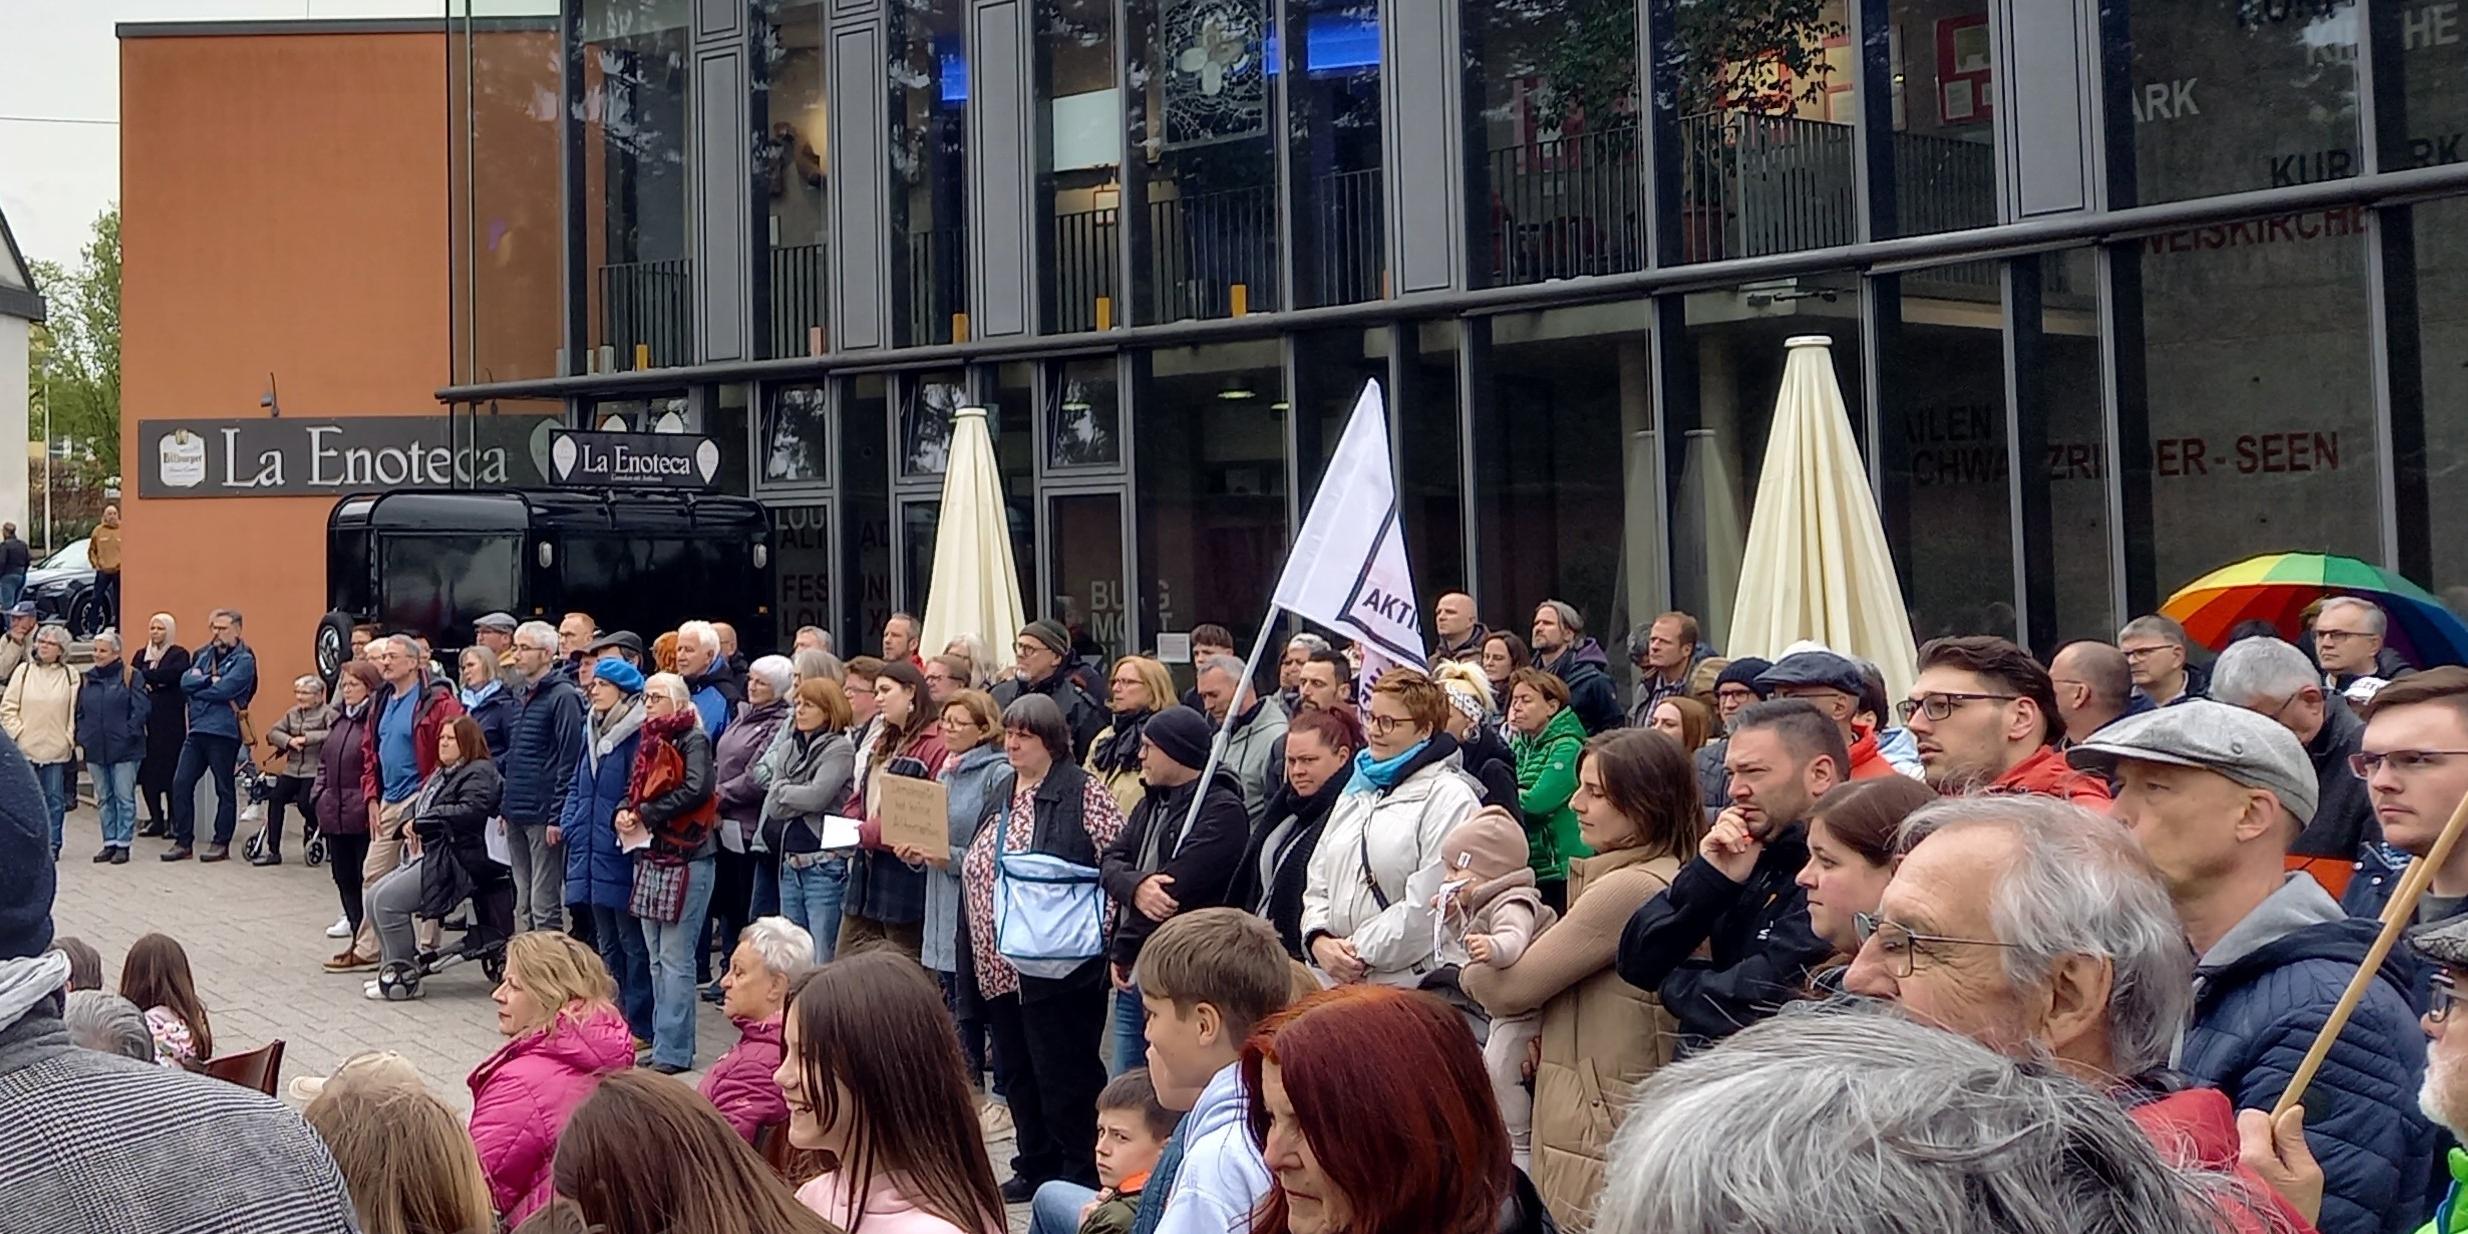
(62, 588)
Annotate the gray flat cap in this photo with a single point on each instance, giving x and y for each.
(1813, 668)
(2443, 942)
(495, 621)
(2252, 749)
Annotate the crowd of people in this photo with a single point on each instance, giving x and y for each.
(1478, 945)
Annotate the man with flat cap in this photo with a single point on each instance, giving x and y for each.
(1833, 684)
(626, 645)
(495, 631)
(2215, 794)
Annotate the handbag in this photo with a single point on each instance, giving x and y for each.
(659, 892)
(1049, 913)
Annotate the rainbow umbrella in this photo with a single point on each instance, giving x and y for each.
(2276, 587)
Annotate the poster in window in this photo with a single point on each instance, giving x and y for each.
(1963, 61)
(1216, 70)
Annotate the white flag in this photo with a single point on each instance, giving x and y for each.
(1349, 571)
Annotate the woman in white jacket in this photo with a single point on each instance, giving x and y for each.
(39, 711)
(1359, 921)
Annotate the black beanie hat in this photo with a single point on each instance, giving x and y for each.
(1050, 632)
(1181, 734)
(27, 880)
(1744, 672)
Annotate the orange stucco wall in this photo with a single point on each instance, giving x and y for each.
(283, 210)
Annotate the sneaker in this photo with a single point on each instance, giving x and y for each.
(349, 961)
(1018, 1190)
(370, 989)
(341, 927)
(995, 1118)
(177, 852)
(215, 852)
(266, 859)
(119, 856)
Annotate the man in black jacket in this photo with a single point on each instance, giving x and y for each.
(1157, 867)
(541, 755)
(1737, 900)
(1562, 650)
(1044, 655)
(2272, 677)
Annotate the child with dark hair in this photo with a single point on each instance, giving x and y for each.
(1132, 1129)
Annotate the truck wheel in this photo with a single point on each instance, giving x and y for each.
(333, 647)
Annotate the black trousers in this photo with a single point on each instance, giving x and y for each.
(732, 895)
(1047, 1064)
(344, 857)
(289, 790)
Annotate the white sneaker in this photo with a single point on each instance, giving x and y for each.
(371, 992)
(340, 929)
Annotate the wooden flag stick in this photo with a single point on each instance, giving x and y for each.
(2396, 917)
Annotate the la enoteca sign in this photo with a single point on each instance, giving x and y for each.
(302, 458)
(632, 460)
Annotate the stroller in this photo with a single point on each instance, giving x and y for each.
(255, 786)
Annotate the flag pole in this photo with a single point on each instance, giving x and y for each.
(1225, 727)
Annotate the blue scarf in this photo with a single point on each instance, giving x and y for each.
(473, 698)
(1382, 774)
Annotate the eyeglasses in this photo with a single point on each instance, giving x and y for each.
(1900, 947)
(2440, 998)
(2365, 762)
(1377, 723)
(1939, 706)
(2336, 637)
(2144, 653)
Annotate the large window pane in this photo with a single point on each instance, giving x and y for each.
(2066, 379)
(2438, 280)
(636, 58)
(1428, 454)
(1080, 163)
(1083, 414)
(1211, 484)
(865, 505)
(1087, 534)
(1561, 399)
(1012, 419)
(926, 403)
(2423, 105)
(796, 446)
(1333, 72)
(929, 171)
(1945, 153)
(1559, 166)
(792, 173)
(2257, 371)
(1946, 411)
(508, 298)
(1330, 367)
(1201, 118)
(2228, 95)
(801, 567)
(1763, 95)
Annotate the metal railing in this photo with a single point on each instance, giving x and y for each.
(1752, 185)
(1568, 206)
(648, 303)
(1202, 247)
(1348, 238)
(936, 267)
(1085, 255)
(1944, 183)
(797, 295)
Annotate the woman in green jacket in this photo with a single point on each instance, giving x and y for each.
(1546, 737)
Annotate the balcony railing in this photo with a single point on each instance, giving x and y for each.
(1944, 183)
(647, 304)
(1087, 253)
(1203, 247)
(1752, 185)
(797, 296)
(936, 266)
(1347, 236)
(1568, 206)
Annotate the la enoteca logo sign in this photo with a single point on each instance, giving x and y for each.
(636, 460)
(299, 458)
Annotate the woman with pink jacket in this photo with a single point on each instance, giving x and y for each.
(771, 955)
(557, 1005)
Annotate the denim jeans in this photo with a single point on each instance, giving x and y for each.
(201, 754)
(811, 898)
(54, 777)
(1056, 1209)
(620, 943)
(115, 799)
(1130, 1031)
(539, 878)
(671, 947)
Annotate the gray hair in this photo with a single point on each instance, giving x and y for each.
(112, 637)
(2376, 623)
(2153, 625)
(231, 615)
(108, 1024)
(539, 634)
(2080, 885)
(670, 686)
(1308, 641)
(702, 634)
(56, 634)
(787, 950)
(811, 664)
(981, 665)
(2258, 671)
(775, 670)
(1915, 1131)
(310, 683)
(817, 631)
(1570, 619)
(1228, 665)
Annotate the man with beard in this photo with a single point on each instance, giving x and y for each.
(1562, 649)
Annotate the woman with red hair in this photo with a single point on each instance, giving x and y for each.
(1371, 1108)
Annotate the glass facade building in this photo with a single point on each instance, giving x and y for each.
(2118, 291)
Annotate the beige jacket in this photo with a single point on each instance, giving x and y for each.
(39, 711)
(1600, 1035)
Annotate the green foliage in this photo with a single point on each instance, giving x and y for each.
(76, 354)
(1737, 55)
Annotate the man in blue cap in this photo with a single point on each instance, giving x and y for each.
(101, 1144)
(1834, 685)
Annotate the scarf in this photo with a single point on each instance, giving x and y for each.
(473, 698)
(354, 711)
(1120, 752)
(1382, 774)
(28, 980)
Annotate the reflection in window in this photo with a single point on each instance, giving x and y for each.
(1012, 419)
(439, 584)
(929, 172)
(865, 492)
(1432, 483)
(1330, 367)
(1084, 414)
(1561, 160)
(636, 58)
(2067, 381)
(502, 158)
(796, 435)
(2421, 102)
(1946, 417)
(1945, 154)
(1087, 535)
(1080, 165)
(1211, 480)
(658, 413)
(2231, 96)
(2434, 291)
(1334, 111)
(1201, 117)
(919, 520)
(792, 172)
(926, 403)
(801, 567)
(1764, 96)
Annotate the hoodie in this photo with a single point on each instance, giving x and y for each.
(1587, 671)
(1222, 1177)
(2262, 992)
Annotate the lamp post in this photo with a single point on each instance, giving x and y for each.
(49, 362)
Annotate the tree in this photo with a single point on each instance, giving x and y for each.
(1759, 56)
(76, 353)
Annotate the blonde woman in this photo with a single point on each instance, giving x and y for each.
(1139, 688)
(558, 1008)
(38, 709)
(404, 1155)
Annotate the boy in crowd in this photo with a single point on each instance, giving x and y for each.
(1131, 1132)
(1207, 977)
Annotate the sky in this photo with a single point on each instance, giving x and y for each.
(60, 99)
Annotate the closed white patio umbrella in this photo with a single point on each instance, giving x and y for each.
(976, 584)
(1816, 565)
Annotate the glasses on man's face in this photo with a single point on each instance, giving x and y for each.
(1025, 650)
(2138, 654)
(1900, 948)
(2440, 996)
(1384, 725)
(1939, 706)
(2366, 762)
(2337, 637)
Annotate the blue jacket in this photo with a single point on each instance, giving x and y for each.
(596, 873)
(218, 678)
(2262, 992)
(111, 716)
(542, 751)
(968, 784)
(495, 713)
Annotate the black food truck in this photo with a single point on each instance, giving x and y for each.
(640, 560)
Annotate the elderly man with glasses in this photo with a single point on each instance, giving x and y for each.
(2348, 641)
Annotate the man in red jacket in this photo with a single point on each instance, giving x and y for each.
(399, 753)
(1985, 716)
